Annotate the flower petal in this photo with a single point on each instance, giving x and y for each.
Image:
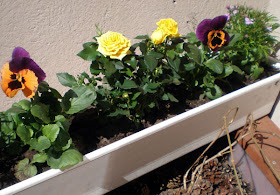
(20, 52)
(20, 63)
(202, 30)
(227, 38)
(30, 82)
(219, 22)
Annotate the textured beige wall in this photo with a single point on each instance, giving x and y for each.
(53, 31)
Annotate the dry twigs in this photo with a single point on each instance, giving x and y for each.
(248, 129)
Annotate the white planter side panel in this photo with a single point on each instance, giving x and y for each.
(118, 163)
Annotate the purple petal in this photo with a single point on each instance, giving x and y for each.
(20, 52)
(202, 30)
(227, 37)
(20, 63)
(219, 22)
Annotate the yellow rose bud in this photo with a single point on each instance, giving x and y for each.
(158, 36)
(114, 45)
(169, 26)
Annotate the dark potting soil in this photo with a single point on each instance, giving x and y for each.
(88, 134)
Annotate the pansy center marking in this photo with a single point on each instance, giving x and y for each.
(216, 38)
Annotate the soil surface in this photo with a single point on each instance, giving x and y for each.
(88, 135)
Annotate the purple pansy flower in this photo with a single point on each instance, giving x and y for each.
(21, 73)
(211, 33)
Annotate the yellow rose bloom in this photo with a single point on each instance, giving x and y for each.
(158, 36)
(114, 45)
(169, 26)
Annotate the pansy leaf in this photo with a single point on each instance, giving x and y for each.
(39, 158)
(214, 92)
(66, 79)
(43, 86)
(40, 144)
(68, 159)
(25, 170)
(16, 110)
(24, 133)
(85, 97)
(215, 65)
(41, 111)
(24, 104)
(51, 131)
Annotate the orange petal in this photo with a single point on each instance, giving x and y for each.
(30, 82)
(7, 80)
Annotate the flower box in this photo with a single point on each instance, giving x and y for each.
(120, 162)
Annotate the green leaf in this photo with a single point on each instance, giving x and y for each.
(40, 144)
(136, 95)
(43, 86)
(24, 133)
(89, 52)
(16, 110)
(41, 111)
(171, 54)
(237, 70)
(214, 92)
(189, 66)
(25, 170)
(51, 131)
(119, 112)
(151, 62)
(257, 72)
(192, 37)
(129, 84)
(172, 98)
(215, 65)
(85, 97)
(63, 141)
(132, 62)
(118, 65)
(24, 104)
(142, 37)
(234, 38)
(110, 68)
(39, 158)
(175, 64)
(66, 79)
(193, 52)
(68, 159)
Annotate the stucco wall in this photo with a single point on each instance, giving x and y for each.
(53, 31)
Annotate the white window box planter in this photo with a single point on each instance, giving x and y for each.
(120, 162)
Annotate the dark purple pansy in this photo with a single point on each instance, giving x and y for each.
(211, 33)
(21, 60)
